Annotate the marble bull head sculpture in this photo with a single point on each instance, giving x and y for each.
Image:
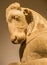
(18, 20)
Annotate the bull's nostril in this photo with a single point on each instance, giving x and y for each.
(15, 37)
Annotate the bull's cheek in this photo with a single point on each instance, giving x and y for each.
(21, 38)
(21, 35)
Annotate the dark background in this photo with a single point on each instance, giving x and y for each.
(8, 51)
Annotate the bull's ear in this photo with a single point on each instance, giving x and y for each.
(28, 15)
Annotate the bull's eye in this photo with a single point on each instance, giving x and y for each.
(16, 18)
(13, 17)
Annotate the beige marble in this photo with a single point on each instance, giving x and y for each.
(28, 28)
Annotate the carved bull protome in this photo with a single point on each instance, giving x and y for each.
(28, 28)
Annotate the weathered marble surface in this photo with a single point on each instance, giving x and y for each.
(28, 28)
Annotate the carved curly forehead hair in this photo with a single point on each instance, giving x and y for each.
(13, 6)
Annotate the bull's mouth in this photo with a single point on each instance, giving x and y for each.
(15, 41)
